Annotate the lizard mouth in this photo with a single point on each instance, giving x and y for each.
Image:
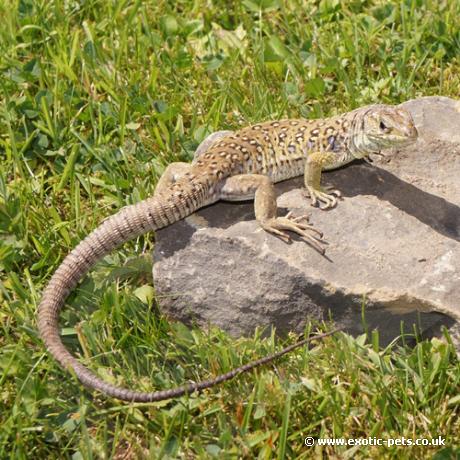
(388, 149)
(371, 157)
(400, 142)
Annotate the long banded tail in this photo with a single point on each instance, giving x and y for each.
(130, 222)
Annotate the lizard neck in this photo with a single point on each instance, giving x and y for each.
(359, 144)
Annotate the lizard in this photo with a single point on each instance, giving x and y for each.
(236, 166)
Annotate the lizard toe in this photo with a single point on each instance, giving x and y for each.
(322, 199)
(279, 225)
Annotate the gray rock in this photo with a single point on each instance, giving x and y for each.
(393, 253)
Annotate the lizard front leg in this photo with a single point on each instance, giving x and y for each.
(316, 162)
(261, 188)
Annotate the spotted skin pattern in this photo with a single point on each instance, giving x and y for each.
(277, 149)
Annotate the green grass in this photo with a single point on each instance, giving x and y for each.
(96, 97)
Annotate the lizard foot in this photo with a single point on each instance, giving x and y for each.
(277, 225)
(320, 196)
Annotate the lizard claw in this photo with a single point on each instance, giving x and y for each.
(278, 225)
(319, 196)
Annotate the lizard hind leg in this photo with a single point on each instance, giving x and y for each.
(171, 174)
(177, 170)
(261, 188)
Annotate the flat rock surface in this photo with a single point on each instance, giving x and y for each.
(394, 247)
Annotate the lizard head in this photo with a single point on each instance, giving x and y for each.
(382, 127)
